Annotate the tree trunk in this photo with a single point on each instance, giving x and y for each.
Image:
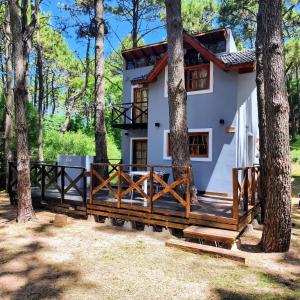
(100, 128)
(71, 101)
(9, 115)
(292, 109)
(177, 96)
(277, 229)
(135, 19)
(298, 95)
(261, 104)
(20, 59)
(53, 95)
(41, 90)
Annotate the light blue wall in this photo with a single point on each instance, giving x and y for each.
(204, 111)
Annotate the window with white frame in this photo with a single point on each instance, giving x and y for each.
(198, 79)
(200, 144)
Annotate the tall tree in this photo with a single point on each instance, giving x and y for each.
(22, 30)
(177, 97)
(140, 14)
(41, 89)
(9, 114)
(277, 228)
(263, 182)
(100, 128)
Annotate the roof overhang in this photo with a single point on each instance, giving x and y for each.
(194, 43)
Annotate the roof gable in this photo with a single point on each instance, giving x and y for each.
(227, 62)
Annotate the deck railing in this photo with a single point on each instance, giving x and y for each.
(130, 113)
(245, 189)
(122, 182)
(51, 177)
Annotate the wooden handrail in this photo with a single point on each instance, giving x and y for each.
(246, 190)
(151, 175)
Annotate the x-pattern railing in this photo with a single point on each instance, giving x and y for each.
(128, 113)
(153, 177)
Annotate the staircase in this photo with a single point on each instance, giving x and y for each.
(208, 234)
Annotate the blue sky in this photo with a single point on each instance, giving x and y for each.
(122, 29)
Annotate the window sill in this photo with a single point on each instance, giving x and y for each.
(203, 159)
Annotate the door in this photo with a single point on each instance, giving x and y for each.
(139, 152)
(140, 106)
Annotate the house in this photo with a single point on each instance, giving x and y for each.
(222, 107)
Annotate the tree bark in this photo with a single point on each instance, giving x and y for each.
(135, 19)
(71, 101)
(261, 104)
(100, 128)
(292, 108)
(41, 90)
(277, 229)
(177, 96)
(9, 114)
(298, 95)
(21, 49)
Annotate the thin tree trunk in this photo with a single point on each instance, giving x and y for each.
(261, 104)
(53, 95)
(41, 90)
(9, 115)
(177, 96)
(20, 55)
(100, 128)
(298, 95)
(292, 109)
(71, 101)
(135, 18)
(277, 229)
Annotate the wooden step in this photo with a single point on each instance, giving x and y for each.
(211, 234)
(204, 249)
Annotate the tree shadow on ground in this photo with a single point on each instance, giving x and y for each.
(24, 274)
(225, 294)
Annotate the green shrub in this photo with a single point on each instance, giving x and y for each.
(73, 143)
(295, 149)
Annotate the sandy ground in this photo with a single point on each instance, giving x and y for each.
(88, 260)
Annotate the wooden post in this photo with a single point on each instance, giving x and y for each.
(62, 180)
(235, 194)
(91, 185)
(253, 185)
(43, 183)
(188, 192)
(119, 194)
(246, 189)
(84, 186)
(151, 189)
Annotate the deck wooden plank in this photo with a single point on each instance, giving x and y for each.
(211, 234)
(204, 249)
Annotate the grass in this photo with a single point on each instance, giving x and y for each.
(87, 260)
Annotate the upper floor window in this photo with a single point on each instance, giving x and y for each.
(197, 77)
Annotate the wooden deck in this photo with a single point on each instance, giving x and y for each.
(116, 195)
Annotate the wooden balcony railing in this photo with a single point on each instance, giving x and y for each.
(245, 189)
(130, 115)
(120, 184)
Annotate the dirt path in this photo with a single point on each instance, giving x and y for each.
(87, 260)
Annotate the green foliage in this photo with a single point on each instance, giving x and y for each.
(240, 16)
(198, 15)
(73, 143)
(295, 149)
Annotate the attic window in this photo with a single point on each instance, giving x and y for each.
(197, 77)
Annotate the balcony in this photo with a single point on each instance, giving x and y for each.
(130, 115)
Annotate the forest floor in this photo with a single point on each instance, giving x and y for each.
(88, 260)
